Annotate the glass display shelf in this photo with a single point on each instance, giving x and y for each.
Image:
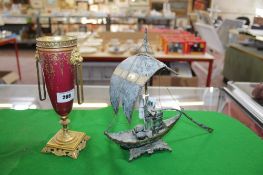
(26, 97)
(234, 100)
(241, 93)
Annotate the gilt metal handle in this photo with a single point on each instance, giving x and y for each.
(79, 82)
(39, 82)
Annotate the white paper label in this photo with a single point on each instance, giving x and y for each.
(64, 97)
(141, 109)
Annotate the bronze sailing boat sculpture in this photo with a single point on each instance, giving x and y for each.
(127, 83)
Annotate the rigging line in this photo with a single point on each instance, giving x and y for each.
(159, 89)
(190, 118)
(173, 71)
(210, 130)
(170, 94)
(111, 123)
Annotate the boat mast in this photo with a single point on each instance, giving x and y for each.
(145, 45)
(147, 120)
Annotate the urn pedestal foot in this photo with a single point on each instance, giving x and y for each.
(69, 144)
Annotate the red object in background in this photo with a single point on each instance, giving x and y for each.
(196, 45)
(175, 45)
(59, 78)
(187, 42)
(12, 40)
(201, 4)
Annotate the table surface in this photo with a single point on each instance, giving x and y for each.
(158, 55)
(231, 149)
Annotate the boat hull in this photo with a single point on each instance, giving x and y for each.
(127, 140)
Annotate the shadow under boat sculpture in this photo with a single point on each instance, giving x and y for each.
(126, 85)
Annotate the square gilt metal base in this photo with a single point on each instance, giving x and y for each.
(149, 148)
(71, 148)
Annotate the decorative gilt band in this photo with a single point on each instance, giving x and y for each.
(55, 50)
(131, 76)
(54, 42)
(75, 58)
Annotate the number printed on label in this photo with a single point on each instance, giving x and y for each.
(64, 97)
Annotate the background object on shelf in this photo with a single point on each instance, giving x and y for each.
(1, 22)
(182, 23)
(93, 41)
(168, 80)
(183, 69)
(117, 49)
(98, 73)
(89, 50)
(82, 5)
(257, 23)
(24, 8)
(68, 4)
(225, 27)
(186, 77)
(134, 49)
(179, 8)
(245, 20)
(203, 17)
(210, 35)
(5, 34)
(7, 5)
(201, 4)
(37, 4)
(182, 42)
(213, 11)
(81, 36)
(114, 42)
(91, 44)
(27, 32)
(166, 8)
(8, 77)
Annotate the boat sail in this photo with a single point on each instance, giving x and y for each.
(127, 83)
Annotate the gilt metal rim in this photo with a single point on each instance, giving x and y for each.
(54, 42)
